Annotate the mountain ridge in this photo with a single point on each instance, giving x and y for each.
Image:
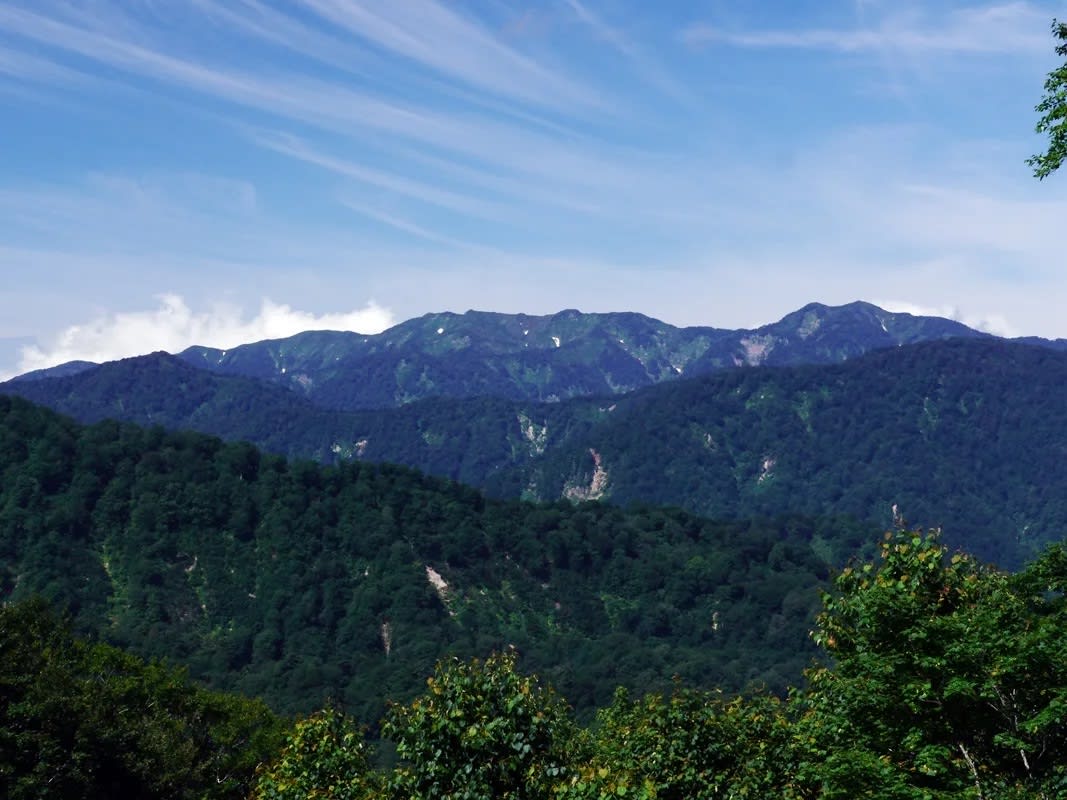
(300, 582)
(963, 432)
(551, 357)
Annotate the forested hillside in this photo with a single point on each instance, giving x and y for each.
(964, 434)
(947, 681)
(546, 358)
(81, 719)
(961, 434)
(552, 358)
(297, 582)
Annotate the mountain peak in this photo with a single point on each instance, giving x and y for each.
(547, 357)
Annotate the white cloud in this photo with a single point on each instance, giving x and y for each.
(439, 38)
(174, 326)
(644, 65)
(996, 324)
(487, 135)
(1015, 27)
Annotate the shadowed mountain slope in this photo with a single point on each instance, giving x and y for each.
(547, 358)
(966, 433)
(298, 582)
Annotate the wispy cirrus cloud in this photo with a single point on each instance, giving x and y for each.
(299, 149)
(27, 66)
(407, 226)
(442, 154)
(289, 93)
(1017, 27)
(126, 209)
(258, 21)
(349, 34)
(481, 144)
(644, 65)
(439, 38)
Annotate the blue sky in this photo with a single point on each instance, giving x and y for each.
(217, 171)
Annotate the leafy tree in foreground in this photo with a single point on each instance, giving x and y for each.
(80, 720)
(480, 730)
(949, 678)
(690, 744)
(325, 758)
(947, 681)
(1053, 110)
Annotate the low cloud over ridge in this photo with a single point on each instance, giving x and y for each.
(996, 324)
(173, 326)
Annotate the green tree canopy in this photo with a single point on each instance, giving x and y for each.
(82, 720)
(1053, 111)
(324, 758)
(948, 679)
(481, 730)
(688, 745)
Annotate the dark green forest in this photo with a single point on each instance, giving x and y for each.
(82, 719)
(963, 434)
(153, 581)
(300, 583)
(552, 358)
(945, 679)
(670, 593)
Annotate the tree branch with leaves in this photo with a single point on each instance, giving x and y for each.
(1053, 111)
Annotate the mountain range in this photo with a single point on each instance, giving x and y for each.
(301, 583)
(552, 358)
(737, 470)
(547, 358)
(950, 426)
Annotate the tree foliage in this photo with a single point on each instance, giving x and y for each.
(948, 678)
(688, 744)
(82, 720)
(325, 757)
(296, 582)
(1053, 111)
(481, 730)
(954, 432)
(945, 679)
